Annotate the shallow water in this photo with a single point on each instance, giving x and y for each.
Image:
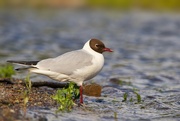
(146, 58)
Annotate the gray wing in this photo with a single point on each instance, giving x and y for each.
(66, 63)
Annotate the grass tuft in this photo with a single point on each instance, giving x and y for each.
(27, 92)
(6, 71)
(28, 83)
(65, 97)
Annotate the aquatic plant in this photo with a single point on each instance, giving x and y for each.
(138, 97)
(65, 97)
(115, 116)
(125, 95)
(121, 81)
(6, 71)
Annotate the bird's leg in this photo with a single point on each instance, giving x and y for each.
(81, 94)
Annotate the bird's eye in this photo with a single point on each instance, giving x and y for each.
(96, 45)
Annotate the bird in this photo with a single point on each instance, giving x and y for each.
(74, 66)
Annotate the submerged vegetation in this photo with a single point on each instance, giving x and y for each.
(6, 71)
(138, 96)
(65, 97)
(131, 99)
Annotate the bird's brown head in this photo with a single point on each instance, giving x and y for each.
(99, 46)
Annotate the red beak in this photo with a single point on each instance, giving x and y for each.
(108, 50)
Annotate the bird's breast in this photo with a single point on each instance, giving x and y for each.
(90, 71)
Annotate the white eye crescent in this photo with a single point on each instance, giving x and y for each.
(96, 45)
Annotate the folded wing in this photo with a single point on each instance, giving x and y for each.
(66, 63)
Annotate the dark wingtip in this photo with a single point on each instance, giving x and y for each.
(23, 62)
(17, 69)
(9, 61)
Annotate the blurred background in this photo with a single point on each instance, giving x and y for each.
(160, 5)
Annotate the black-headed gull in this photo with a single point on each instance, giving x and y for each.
(76, 66)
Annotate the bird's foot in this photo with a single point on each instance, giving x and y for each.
(81, 105)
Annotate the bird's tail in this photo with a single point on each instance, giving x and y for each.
(30, 64)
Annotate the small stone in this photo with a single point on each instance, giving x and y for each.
(92, 90)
